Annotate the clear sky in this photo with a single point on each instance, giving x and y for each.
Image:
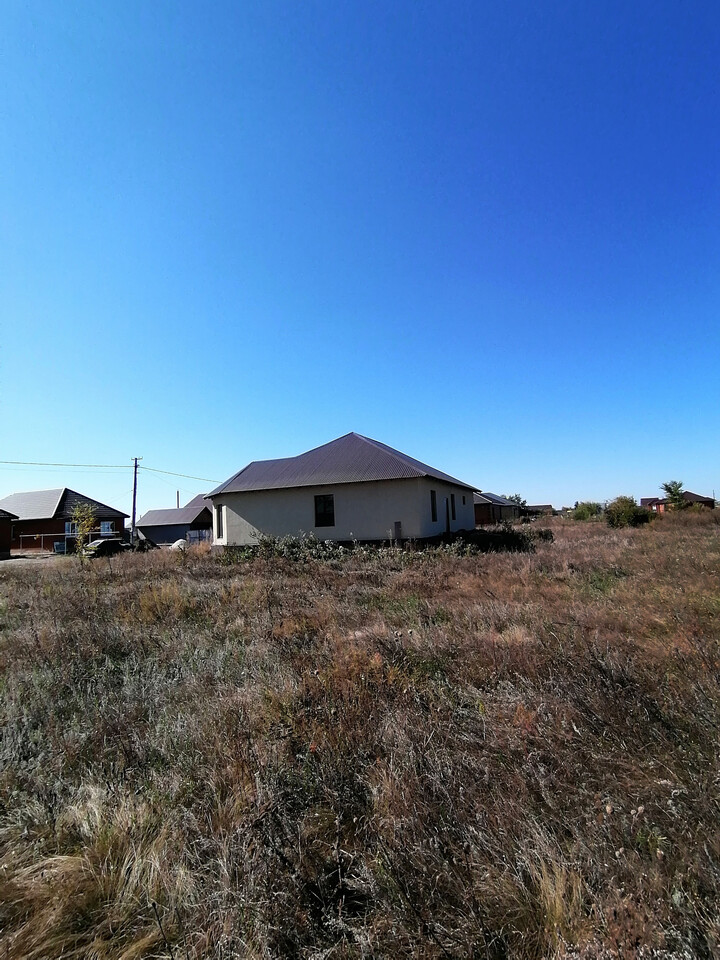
(485, 233)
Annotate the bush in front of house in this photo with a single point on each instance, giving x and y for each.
(624, 512)
(586, 510)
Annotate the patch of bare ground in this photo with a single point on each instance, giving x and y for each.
(370, 753)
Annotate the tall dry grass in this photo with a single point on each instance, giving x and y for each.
(366, 754)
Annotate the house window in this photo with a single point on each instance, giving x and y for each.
(325, 510)
(452, 505)
(107, 527)
(433, 506)
(463, 501)
(219, 526)
(70, 528)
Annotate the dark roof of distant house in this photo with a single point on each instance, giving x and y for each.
(696, 497)
(51, 504)
(539, 507)
(687, 495)
(485, 497)
(6, 515)
(349, 459)
(177, 515)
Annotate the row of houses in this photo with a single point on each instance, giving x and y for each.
(353, 488)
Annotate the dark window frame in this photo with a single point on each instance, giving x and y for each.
(452, 506)
(433, 506)
(219, 522)
(324, 509)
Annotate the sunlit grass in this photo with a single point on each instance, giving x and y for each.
(365, 753)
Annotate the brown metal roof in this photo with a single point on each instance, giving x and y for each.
(688, 496)
(349, 459)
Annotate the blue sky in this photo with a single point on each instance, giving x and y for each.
(487, 234)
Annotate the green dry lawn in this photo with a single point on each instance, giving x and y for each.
(369, 754)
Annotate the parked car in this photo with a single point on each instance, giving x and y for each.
(105, 547)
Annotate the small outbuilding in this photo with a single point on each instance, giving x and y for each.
(192, 523)
(352, 488)
(491, 508)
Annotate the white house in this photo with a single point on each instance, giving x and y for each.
(352, 488)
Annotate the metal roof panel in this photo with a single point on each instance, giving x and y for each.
(349, 459)
(47, 504)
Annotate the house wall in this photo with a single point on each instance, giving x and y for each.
(170, 533)
(483, 514)
(363, 511)
(4, 537)
(40, 535)
(166, 533)
(487, 513)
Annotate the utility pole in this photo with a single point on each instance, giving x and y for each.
(132, 519)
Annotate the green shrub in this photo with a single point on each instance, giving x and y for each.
(586, 510)
(624, 512)
(542, 533)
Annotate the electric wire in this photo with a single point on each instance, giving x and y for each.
(106, 466)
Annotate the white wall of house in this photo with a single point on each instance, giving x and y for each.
(363, 511)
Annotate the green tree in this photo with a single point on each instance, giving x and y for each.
(675, 494)
(624, 512)
(586, 510)
(516, 498)
(83, 517)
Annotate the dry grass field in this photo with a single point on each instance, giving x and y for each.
(369, 753)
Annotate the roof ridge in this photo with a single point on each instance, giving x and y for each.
(63, 491)
(16, 493)
(396, 454)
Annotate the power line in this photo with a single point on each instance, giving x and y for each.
(105, 466)
(186, 475)
(95, 466)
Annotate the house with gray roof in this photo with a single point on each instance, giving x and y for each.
(193, 523)
(492, 508)
(352, 488)
(44, 519)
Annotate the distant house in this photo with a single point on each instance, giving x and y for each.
(350, 488)
(660, 504)
(491, 508)
(193, 523)
(538, 509)
(6, 519)
(44, 519)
